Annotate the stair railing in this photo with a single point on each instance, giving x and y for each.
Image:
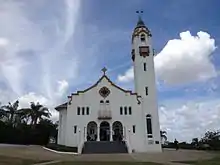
(81, 143)
(80, 147)
(127, 141)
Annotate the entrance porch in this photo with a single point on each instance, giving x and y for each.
(104, 132)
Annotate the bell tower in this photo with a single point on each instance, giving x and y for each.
(142, 57)
(145, 83)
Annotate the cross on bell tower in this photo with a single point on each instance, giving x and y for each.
(139, 12)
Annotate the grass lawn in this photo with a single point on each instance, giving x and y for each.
(106, 163)
(6, 160)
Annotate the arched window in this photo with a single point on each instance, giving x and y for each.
(75, 129)
(133, 128)
(125, 110)
(142, 37)
(78, 110)
(149, 125)
(101, 101)
(107, 101)
(145, 66)
(83, 110)
(121, 110)
(129, 110)
(87, 110)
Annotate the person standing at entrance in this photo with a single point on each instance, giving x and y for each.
(176, 144)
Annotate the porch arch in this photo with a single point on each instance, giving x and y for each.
(117, 129)
(104, 131)
(92, 131)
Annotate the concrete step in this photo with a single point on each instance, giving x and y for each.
(93, 147)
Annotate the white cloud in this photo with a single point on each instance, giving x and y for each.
(62, 88)
(185, 120)
(187, 59)
(41, 50)
(3, 42)
(35, 59)
(183, 60)
(25, 100)
(128, 76)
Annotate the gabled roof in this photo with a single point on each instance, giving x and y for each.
(62, 106)
(104, 76)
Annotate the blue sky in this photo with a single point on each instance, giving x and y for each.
(49, 50)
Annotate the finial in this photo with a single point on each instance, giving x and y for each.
(140, 22)
(104, 70)
(139, 13)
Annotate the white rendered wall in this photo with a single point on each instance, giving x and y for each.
(62, 127)
(117, 98)
(144, 79)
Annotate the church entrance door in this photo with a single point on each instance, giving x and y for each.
(117, 131)
(92, 131)
(104, 131)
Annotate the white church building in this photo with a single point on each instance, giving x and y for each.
(106, 113)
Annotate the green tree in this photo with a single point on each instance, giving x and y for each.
(2, 113)
(9, 111)
(36, 112)
(195, 142)
(212, 138)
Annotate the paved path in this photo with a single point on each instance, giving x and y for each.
(50, 162)
(166, 157)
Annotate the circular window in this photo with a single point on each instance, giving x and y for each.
(104, 91)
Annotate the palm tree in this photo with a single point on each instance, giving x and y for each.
(23, 116)
(35, 113)
(2, 112)
(163, 135)
(9, 111)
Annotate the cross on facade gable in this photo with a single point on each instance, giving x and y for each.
(104, 70)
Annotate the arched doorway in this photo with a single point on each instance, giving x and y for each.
(104, 131)
(91, 131)
(117, 128)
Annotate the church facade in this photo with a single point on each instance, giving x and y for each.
(107, 112)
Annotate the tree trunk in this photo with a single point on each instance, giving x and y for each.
(11, 118)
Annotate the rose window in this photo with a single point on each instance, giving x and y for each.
(104, 91)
